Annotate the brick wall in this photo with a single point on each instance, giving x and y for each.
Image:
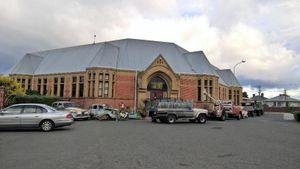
(188, 88)
(1, 97)
(124, 86)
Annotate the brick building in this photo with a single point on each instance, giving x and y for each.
(128, 71)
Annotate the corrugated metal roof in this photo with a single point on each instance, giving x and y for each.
(228, 77)
(129, 54)
(282, 98)
(27, 65)
(199, 63)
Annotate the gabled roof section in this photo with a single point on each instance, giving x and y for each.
(228, 77)
(199, 63)
(27, 65)
(282, 98)
(160, 61)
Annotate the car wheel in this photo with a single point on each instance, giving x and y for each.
(47, 125)
(171, 119)
(202, 118)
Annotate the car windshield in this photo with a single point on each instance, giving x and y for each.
(66, 105)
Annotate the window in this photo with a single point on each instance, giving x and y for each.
(101, 76)
(62, 86)
(55, 86)
(81, 86)
(199, 90)
(100, 89)
(39, 85)
(74, 86)
(93, 89)
(12, 110)
(106, 88)
(40, 110)
(89, 87)
(45, 87)
(29, 109)
(94, 75)
(230, 96)
(23, 83)
(106, 76)
(29, 84)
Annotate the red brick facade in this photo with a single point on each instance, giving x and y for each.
(125, 86)
(188, 88)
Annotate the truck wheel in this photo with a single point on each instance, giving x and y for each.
(171, 119)
(202, 118)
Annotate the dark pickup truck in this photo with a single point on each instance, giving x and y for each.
(170, 111)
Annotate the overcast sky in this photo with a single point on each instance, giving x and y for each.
(265, 33)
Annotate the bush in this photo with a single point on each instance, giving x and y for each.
(36, 99)
(297, 115)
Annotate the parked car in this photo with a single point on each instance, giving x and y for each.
(253, 107)
(169, 111)
(77, 113)
(110, 114)
(32, 115)
(96, 109)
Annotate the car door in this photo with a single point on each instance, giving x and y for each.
(10, 117)
(32, 115)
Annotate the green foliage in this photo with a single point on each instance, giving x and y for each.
(36, 99)
(11, 89)
(32, 92)
(297, 116)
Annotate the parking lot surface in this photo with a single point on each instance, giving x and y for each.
(267, 142)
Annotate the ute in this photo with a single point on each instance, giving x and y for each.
(169, 111)
(253, 107)
(222, 109)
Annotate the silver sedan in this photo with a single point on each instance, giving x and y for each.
(32, 115)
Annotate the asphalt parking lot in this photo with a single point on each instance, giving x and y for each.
(266, 142)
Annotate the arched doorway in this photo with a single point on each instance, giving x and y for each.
(157, 88)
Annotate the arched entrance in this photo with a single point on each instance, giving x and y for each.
(157, 88)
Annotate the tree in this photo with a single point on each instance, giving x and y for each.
(245, 94)
(11, 89)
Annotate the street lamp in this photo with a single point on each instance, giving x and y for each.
(243, 61)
